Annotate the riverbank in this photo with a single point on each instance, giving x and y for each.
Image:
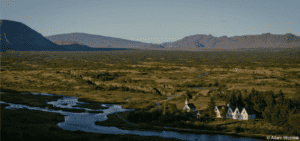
(25, 124)
(116, 120)
(39, 100)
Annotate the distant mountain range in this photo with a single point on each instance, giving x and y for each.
(251, 41)
(18, 36)
(194, 41)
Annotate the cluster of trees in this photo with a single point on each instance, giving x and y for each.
(273, 108)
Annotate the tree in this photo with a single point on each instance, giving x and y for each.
(227, 98)
(280, 99)
(283, 116)
(293, 111)
(233, 99)
(270, 98)
(270, 102)
(280, 114)
(247, 101)
(211, 108)
(294, 122)
(267, 113)
(239, 101)
(275, 114)
(257, 102)
(223, 113)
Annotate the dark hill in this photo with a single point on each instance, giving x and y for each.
(18, 36)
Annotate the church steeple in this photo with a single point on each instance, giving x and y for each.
(186, 101)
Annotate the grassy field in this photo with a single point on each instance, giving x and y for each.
(117, 76)
(112, 77)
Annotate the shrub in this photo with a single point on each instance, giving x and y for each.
(295, 124)
(216, 84)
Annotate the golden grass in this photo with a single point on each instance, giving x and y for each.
(165, 81)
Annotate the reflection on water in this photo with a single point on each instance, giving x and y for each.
(86, 121)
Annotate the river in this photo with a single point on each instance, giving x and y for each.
(85, 121)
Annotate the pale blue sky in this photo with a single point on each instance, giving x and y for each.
(148, 19)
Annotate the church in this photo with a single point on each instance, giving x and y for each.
(190, 107)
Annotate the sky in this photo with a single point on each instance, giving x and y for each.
(156, 21)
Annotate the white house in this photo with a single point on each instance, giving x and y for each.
(228, 109)
(189, 106)
(240, 113)
(248, 114)
(198, 115)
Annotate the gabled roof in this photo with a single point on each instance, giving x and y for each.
(239, 108)
(221, 107)
(249, 111)
(191, 105)
(231, 109)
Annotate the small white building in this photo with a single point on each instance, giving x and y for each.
(240, 113)
(247, 114)
(190, 107)
(198, 115)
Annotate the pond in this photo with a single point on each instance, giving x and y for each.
(85, 121)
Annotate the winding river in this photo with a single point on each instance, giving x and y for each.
(85, 121)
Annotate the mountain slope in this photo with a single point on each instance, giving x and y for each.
(18, 36)
(99, 41)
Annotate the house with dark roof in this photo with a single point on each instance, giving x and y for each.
(190, 107)
(240, 113)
